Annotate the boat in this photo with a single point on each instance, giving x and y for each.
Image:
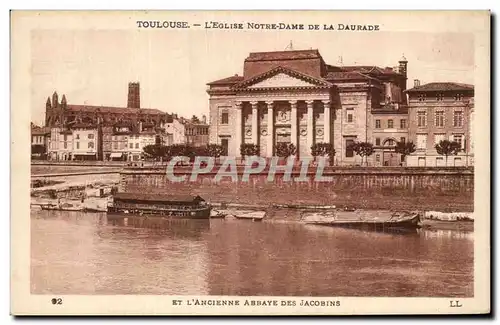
(61, 207)
(49, 206)
(250, 215)
(374, 220)
(162, 205)
(95, 209)
(217, 215)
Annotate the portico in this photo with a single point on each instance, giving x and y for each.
(266, 122)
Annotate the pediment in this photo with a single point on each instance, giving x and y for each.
(282, 80)
(281, 77)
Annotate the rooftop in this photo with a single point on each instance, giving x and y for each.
(442, 86)
(112, 109)
(283, 55)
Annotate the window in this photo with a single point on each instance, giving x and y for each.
(65, 145)
(390, 124)
(91, 145)
(403, 139)
(421, 141)
(377, 158)
(438, 137)
(348, 148)
(90, 136)
(137, 146)
(458, 117)
(421, 97)
(377, 124)
(421, 119)
(402, 123)
(225, 118)
(131, 145)
(439, 97)
(65, 137)
(78, 145)
(225, 146)
(349, 115)
(439, 119)
(389, 143)
(458, 138)
(377, 141)
(78, 136)
(459, 96)
(115, 145)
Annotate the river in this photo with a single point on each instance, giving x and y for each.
(87, 253)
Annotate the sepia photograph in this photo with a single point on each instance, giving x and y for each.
(250, 163)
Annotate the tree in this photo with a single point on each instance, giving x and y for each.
(285, 149)
(363, 149)
(195, 119)
(215, 150)
(155, 151)
(38, 149)
(323, 149)
(405, 148)
(448, 148)
(249, 149)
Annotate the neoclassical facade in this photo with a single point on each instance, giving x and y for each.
(295, 97)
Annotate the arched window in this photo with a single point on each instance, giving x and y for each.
(91, 145)
(389, 143)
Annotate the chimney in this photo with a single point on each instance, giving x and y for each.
(204, 119)
(134, 97)
(416, 83)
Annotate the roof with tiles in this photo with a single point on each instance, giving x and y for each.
(283, 55)
(442, 86)
(227, 81)
(116, 110)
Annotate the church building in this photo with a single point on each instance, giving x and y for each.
(296, 97)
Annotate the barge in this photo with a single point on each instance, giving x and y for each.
(162, 205)
(376, 221)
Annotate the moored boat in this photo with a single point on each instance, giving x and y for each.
(250, 215)
(217, 215)
(170, 206)
(380, 221)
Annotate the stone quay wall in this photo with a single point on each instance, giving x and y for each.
(443, 189)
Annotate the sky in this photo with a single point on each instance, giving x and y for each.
(173, 67)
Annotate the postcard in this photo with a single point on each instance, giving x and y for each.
(250, 162)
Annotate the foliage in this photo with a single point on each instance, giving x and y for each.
(322, 149)
(38, 149)
(405, 148)
(215, 150)
(285, 149)
(363, 149)
(249, 149)
(448, 148)
(154, 151)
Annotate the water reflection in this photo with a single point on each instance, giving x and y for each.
(78, 253)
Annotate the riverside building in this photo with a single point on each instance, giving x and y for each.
(296, 97)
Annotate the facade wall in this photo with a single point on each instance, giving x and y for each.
(384, 138)
(444, 129)
(85, 141)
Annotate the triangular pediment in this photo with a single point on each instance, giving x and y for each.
(282, 78)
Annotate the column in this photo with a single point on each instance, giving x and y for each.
(255, 123)
(310, 124)
(327, 122)
(293, 121)
(270, 129)
(239, 129)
